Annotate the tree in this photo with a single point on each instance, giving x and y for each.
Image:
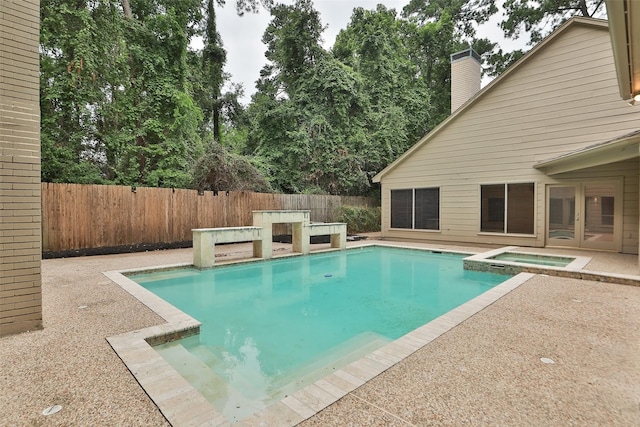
(293, 42)
(162, 119)
(116, 107)
(306, 117)
(539, 18)
(329, 121)
(445, 27)
(223, 165)
(213, 60)
(464, 14)
(80, 56)
(378, 46)
(117, 94)
(221, 169)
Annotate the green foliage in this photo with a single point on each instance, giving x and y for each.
(399, 107)
(309, 138)
(118, 99)
(499, 61)
(114, 101)
(329, 121)
(539, 18)
(465, 14)
(218, 169)
(292, 40)
(359, 219)
(213, 60)
(75, 53)
(124, 100)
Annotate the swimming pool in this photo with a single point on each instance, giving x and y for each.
(270, 328)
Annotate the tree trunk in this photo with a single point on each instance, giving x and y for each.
(583, 8)
(216, 124)
(126, 7)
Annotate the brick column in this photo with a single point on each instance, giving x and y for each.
(20, 205)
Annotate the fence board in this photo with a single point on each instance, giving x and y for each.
(76, 216)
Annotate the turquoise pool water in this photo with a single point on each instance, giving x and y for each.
(554, 261)
(270, 328)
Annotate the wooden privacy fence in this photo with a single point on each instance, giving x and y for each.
(76, 216)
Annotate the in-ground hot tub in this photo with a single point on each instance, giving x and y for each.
(510, 260)
(537, 259)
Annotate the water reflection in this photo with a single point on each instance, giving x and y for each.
(247, 384)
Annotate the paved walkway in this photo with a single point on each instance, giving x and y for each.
(486, 371)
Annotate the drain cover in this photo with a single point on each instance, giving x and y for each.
(547, 360)
(52, 410)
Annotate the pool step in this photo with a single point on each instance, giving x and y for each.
(194, 370)
(330, 361)
(195, 364)
(205, 355)
(243, 380)
(244, 393)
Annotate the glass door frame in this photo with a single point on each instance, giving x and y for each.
(565, 240)
(579, 215)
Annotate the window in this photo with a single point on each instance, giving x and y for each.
(416, 208)
(607, 210)
(427, 208)
(401, 211)
(507, 208)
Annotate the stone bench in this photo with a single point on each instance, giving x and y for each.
(337, 231)
(261, 234)
(265, 219)
(205, 239)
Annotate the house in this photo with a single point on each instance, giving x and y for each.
(545, 155)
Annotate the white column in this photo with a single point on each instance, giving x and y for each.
(203, 249)
(263, 248)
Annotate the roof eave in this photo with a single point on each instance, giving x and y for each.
(621, 14)
(623, 149)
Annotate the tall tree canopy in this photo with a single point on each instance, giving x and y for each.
(114, 93)
(122, 95)
(540, 17)
(125, 99)
(327, 121)
(464, 14)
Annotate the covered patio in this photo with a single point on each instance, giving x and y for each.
(581, 167)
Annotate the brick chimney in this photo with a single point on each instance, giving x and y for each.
(466, 74)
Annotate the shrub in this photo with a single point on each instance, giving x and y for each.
(359, 219)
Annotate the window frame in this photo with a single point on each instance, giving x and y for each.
(413, 209)
(506, 208)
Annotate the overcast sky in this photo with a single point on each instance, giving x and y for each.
(245, 52)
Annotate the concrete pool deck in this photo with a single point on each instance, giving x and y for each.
(485, 371)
